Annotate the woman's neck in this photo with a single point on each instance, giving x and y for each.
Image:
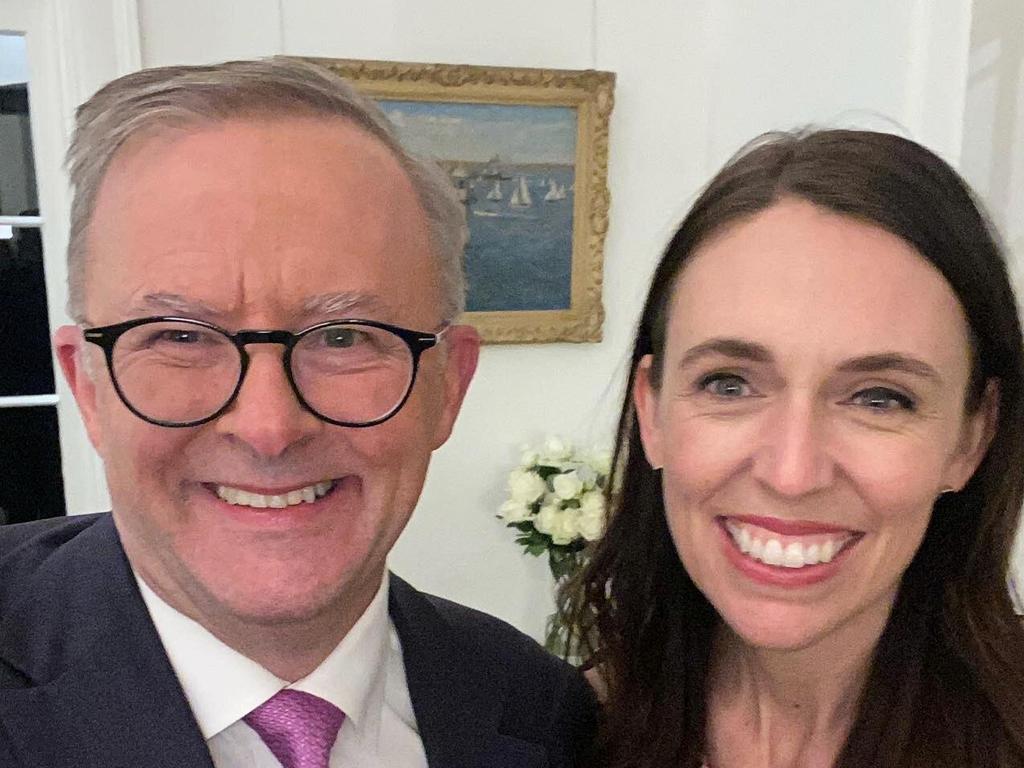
(771, 708)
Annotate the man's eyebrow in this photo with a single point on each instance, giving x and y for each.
(176, 304)
(737, 349)
(339, 304)
(344, 304)
(891, 361)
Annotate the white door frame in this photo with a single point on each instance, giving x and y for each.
(73, 46)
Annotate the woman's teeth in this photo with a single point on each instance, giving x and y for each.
(786, 551)
(306, 495)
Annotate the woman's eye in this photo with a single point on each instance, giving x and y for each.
(883, 399)
(726, 385)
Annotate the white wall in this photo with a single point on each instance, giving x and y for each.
(695, 80)
(993, 144)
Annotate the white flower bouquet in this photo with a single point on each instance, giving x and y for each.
(556, 502)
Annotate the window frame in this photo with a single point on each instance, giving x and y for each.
(73, 47)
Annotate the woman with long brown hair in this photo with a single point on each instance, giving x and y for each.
(818, 475)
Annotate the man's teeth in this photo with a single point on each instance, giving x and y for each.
(305, 495)
(795, 554)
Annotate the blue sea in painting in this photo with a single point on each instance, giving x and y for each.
(513, 166)
(519, 256)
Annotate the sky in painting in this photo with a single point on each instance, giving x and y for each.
(477, 132)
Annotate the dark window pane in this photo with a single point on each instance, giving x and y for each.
(26, 367)
(17, 168)
(31, 484)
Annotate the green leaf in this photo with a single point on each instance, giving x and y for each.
(536, 549)
(546, 472)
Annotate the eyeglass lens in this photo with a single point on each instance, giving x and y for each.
(178, 372)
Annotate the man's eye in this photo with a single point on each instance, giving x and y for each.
(727, 385)
(178, 336)
(344, 338)
(339, 337)
(883, 399)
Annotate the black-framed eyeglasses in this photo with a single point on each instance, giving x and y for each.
(180, 372)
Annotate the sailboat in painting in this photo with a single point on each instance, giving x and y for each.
(555, 191)
(521, 195)
(495, 193)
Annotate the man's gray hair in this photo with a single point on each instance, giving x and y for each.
(151, 100)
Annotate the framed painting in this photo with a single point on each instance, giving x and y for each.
(527, 150)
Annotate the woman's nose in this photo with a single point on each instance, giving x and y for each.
(792, 456)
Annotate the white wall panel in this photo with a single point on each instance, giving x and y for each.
(203, 31)
(524, 33)
(993, 135)
(818, 62)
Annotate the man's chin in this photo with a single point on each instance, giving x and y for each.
(277, 605)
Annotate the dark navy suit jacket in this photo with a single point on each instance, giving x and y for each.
(85, 682)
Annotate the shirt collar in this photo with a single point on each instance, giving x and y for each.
(222, 685)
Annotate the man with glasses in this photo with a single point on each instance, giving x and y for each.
(266, 289)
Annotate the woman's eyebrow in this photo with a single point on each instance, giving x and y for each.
(891, 361)
(738, 349)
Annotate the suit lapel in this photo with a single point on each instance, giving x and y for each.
(457, 701)
(101, 690)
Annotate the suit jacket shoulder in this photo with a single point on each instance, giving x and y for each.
(84, 680)
(468, 664)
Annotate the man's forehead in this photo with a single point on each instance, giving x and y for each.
(266, 225)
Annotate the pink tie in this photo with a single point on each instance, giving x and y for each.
(298, 727)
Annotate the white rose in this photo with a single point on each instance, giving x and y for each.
(513, 511)
(560, 524)
(601, 461)
(526, 487)
(556, 449)
(547, 518)
(587, 475)
(567, 529)
(591, 525)
(529, 458)
(567, 485)
(592, 502)
(591, 515)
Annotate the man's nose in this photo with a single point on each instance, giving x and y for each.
(266, 415)
(792, 457)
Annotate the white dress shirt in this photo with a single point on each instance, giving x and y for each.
(364, 677)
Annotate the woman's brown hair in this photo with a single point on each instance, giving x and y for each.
(946, 682)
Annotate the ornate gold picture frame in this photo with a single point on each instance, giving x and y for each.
(528, 151)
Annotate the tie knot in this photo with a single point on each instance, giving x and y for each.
(298, 727)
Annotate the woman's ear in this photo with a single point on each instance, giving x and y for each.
(979, 429)
(645, 401)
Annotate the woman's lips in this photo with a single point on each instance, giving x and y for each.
(785, 552)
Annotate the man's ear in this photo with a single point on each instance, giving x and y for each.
(70, 347)
(645, 401)
(461, 356)
(979, 429)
